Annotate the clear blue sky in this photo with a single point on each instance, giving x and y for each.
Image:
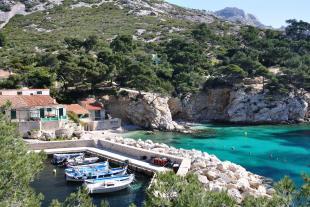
(269, 12)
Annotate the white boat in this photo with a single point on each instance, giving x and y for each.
(109, 185)
(92, 171)
(81, 161)
(59, 159)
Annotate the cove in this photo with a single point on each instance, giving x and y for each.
(272, 150)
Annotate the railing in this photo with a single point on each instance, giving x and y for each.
(54, 118)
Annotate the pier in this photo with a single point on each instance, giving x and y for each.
(139, 159)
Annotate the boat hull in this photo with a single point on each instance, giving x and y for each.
(71, 178)
(109, 186)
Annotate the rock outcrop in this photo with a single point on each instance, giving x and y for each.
(240, 106)
(148, 110)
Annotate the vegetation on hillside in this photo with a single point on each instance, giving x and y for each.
(77, 51)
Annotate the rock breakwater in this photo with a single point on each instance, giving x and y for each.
(214, 174)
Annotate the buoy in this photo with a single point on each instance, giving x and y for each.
(233, 148)
(246, 134)
(54, 171)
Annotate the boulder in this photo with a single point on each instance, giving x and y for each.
(64, 133)
(212, 175)
(243, 184)
(203, 179)
(34, 134)
(235, 193)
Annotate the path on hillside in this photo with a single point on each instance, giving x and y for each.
(5, 17)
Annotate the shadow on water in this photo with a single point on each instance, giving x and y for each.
(298, 138)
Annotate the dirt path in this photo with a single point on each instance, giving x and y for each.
(5, 17)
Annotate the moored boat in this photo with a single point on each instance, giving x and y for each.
(108, 185)
(60, 159)
(81, 161)
(80, 174)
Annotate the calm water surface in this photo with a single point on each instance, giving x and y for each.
(271, 151)
(55, 187)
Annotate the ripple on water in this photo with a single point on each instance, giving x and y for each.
(272, 151)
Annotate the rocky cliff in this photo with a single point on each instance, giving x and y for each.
(147, 110)
(240, 106)
(153, 111)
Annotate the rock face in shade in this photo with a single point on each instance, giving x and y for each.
(148, 110)
(238, 106)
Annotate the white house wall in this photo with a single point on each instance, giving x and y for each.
(25, 92)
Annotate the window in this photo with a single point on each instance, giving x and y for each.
(97, 115)
(19, 93)
(13, 114)
(49, 109)
(39, 92)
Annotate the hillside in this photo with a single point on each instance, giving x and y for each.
(148, 45)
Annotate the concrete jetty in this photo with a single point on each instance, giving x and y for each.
(113, 152)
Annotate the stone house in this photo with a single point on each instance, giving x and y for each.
(92, 114)
(34, 112)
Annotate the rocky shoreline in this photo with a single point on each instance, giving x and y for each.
(153, 111)
(214, 174)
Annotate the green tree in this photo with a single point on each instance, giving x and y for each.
(123, 43)
(18, 168)
(2, 40)
(40, 78)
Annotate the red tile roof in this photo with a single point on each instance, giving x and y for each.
(76, 108)
(91, 104)
(26, 101)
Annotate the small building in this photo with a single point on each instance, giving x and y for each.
(34, 112)
(78, 110)
(95, 108)
(92, 114)
(25, 91)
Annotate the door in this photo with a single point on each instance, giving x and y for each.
(61, 112)
(42, 113)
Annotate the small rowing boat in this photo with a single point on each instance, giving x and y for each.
(81, 161)
(93, 171)
(60, 159)
(108, 185)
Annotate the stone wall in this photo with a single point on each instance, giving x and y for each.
(104, 124)
(61, 144)
(25, 126)
(135, 152)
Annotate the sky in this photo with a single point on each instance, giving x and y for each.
(269, 12)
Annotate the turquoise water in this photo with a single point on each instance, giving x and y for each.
(272, 151)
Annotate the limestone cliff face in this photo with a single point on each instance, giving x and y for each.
(238, 106)
(153, 111)
(147, 110)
